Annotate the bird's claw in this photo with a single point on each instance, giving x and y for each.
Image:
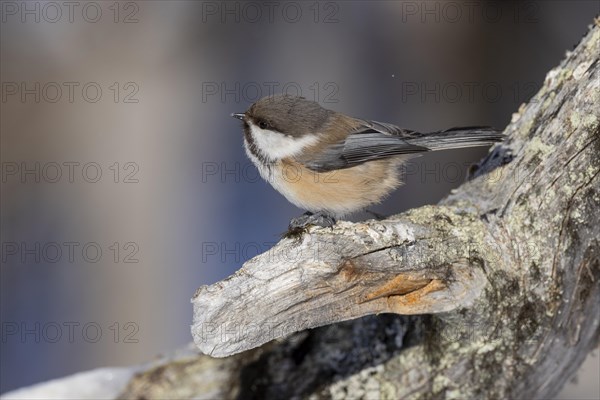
(300, 224)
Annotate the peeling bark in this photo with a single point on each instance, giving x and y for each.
(506, 269)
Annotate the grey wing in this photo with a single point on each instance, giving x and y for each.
(371, 141)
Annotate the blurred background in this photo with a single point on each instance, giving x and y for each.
(124, 181)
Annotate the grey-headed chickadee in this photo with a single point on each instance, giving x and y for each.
(331, 164)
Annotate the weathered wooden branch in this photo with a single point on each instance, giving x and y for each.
(503, 274)
(507, 267)
(416, 263)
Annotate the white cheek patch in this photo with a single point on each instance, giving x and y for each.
(277, 146)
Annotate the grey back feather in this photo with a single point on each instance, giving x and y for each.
(379, 140)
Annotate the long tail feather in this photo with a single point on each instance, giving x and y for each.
(457, 138)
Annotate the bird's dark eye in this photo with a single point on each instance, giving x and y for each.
(262, 124)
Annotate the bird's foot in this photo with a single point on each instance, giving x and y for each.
(317, 219)
(299, 225)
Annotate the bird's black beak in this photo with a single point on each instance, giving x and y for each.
(241, 116)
